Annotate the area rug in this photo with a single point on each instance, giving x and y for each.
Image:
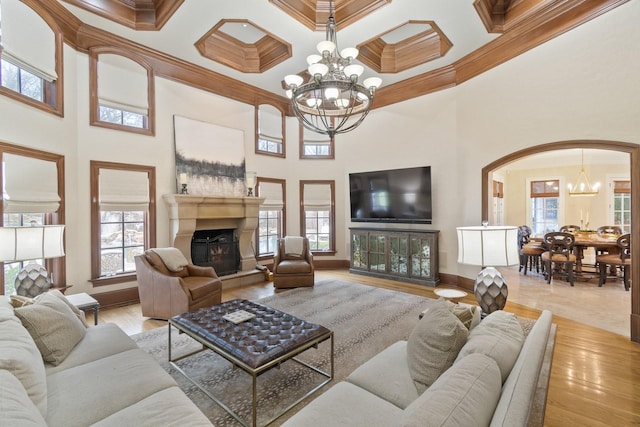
(365, 320)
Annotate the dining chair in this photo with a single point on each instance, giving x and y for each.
(529, 251)
(559, 251)
(621, 259)
(569, 228)
(607, 231)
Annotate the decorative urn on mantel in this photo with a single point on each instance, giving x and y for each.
(188, 213)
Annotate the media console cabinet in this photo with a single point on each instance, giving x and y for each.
(405, 255)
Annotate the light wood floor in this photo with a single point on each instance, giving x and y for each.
(595, 375)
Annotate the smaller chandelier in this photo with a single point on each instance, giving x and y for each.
(583, 187)
(332, 101)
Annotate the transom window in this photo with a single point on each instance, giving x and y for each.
(270, 134)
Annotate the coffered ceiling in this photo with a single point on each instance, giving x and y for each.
(415, 46)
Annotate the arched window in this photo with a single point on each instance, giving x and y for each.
(122, 95)
(30, 57)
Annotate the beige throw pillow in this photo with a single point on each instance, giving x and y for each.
(20, 301)
(434, 344)
(468, 314)
(53, 326)
(79, 313)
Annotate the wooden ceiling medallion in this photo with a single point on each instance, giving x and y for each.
(264, 51)
(314, 14)
(148, 15)
(423, 42)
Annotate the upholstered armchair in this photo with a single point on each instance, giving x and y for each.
(168, 284)
(293, 263)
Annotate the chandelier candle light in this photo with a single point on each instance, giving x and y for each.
(332, 101)
(583, 187)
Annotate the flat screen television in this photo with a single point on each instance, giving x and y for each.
(396, 195)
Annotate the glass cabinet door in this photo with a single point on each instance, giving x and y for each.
(398, 254)
(377, 255)
(420, 257)
(359, 250)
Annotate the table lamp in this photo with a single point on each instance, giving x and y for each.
(30, 244)
(489, 247)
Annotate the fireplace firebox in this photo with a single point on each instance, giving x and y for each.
(216, 248)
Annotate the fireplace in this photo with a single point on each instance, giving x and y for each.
(191, 214)
(216, 248)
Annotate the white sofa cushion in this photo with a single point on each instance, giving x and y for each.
(104, 386)
(465, 395)
(16, 407)
(434, 344)
(53, 326)
(387, 376)
(166, 408)
(20, 356)
(100, 341)
(500, 337)
(346, 404)
(519, 389)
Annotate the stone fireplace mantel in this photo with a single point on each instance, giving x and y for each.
(188, 213)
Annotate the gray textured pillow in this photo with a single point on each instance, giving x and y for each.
(79, 313)
(434, 344)
(500, 337)
(468, 314)
(53, 326)
(465, 395)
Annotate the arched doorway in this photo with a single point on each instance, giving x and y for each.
(634, 152)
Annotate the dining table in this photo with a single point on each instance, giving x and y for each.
(584, 241)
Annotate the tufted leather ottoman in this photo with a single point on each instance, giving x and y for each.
(255, 345)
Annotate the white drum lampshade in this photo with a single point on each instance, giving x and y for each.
(29, 244)
(489, 247)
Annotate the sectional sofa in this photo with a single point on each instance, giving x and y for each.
(56, 371)
(445, 374)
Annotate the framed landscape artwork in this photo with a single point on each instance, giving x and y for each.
(209, 158)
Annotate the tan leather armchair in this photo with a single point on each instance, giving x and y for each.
(292, 270)
(164, 293)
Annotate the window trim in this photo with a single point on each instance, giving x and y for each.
(283, 183)
(150, 219)
(56, 266)
(332, 215)
(256, 122)
(53, 92)
(94, 101)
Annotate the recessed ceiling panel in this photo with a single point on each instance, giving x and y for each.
(404, 47)
(243, 46)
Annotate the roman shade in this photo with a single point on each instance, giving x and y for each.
(317, 196)
(123, 190)
(122, 84)
(30, 185)
(273, 197)
(27, 40)
(270, 122)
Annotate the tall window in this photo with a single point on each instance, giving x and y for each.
(33, 194)
(318, 215)
(545, 196)
(30, 58)
(122, 222)
(622, 205)
(271, 217)
(498, 203)
(315, 145)
(122, 95)
(270, 130)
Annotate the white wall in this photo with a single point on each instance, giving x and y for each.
(582, 85)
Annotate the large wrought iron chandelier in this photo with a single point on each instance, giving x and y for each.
(332, 101)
